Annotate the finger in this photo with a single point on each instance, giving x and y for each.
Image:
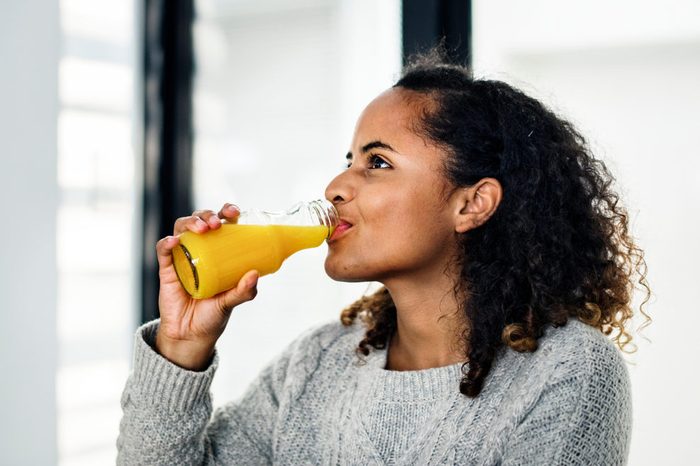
(211, 219)
(246, 290)
(164, 252)
(192, 223)
(229, 212)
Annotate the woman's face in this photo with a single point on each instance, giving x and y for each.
(393, 195)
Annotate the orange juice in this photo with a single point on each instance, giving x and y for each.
(215, 261)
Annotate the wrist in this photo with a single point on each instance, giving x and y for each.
(194, 355)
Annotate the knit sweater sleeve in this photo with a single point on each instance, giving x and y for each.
(583, 415)
(167, 413)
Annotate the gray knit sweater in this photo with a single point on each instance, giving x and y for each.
(567, 403)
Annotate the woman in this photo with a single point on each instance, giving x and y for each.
(505, 260)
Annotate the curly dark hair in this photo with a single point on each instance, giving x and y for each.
(558, 244)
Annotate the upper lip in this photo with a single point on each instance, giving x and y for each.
(343, 219)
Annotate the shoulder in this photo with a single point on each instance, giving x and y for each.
(578, 367)
(580, 350)
(576, 355)
(570, 401)
(576, 370)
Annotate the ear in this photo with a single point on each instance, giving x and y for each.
(474, 205)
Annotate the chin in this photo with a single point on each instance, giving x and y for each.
(341, 273)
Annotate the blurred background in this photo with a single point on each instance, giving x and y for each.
(119, 116)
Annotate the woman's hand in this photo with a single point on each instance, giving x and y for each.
(189, 328)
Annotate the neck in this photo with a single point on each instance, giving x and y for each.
(429, 324)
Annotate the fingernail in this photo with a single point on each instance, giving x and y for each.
(232, 208)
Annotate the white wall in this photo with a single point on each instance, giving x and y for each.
(628, 74)
(29, 47)
(99, 160)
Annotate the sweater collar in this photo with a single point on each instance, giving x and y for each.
(425, 384)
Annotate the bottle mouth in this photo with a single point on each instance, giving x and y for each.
(327, 214)
(190, 282)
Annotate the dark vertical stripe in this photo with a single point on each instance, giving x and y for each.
(426, 22)
(167, 191)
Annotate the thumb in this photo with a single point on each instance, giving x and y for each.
(245, 290)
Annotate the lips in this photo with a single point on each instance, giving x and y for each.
(340, 230)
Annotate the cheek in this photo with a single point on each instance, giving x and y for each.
(400, 229)
(415, 243)
(418, 226)
(410, 234)
(414, 212)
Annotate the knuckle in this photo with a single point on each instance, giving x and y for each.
(202, 213)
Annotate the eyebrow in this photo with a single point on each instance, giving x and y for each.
(372, 145)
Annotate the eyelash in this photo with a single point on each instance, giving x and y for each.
(370, 161)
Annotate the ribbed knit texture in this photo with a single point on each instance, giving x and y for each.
(317, 403)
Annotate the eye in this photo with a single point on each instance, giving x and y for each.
(373, 162)
(376, 162)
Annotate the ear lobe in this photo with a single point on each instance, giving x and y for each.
(464, 226)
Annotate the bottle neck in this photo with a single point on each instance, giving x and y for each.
(314, 213)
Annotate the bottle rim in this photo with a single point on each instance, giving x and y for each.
(327, 214)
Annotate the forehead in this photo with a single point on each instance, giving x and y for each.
(394, 114)
(393, 101)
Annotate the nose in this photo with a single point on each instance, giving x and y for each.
(340, 189)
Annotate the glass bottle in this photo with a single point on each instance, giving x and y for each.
(212, 262)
